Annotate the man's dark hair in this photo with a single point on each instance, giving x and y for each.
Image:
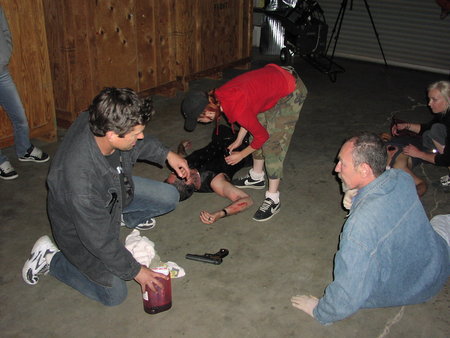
(369, 148)
(185, 190)
(118, 110)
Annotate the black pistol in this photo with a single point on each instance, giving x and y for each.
(209, 258)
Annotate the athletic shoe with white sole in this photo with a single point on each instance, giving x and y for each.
(445, 180)
(7, 171)
(267, 210)
(147, 225)
(37, 264)
(34, 154)
(248, 182)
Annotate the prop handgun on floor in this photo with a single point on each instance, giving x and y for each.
(209, 258)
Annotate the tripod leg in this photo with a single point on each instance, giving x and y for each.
(337, 23)
(375, 30)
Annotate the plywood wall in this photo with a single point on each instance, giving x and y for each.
(30, 69)
(151, 46)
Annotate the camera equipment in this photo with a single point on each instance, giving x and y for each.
(338, 24)
(305, 29)
(306, 34)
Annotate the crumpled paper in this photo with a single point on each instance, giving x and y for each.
(143, 250)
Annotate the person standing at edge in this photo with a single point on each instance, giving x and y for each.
(266, 103)
(10, 101)
(92, 193)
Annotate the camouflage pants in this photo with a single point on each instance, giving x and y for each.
(280, 122)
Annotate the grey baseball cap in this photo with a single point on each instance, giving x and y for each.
(192, 106)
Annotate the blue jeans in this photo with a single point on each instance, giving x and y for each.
(10, 101)
(151, 198)
(67, 273)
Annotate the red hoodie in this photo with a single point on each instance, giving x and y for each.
(254, 92)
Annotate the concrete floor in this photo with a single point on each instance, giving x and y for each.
(248, 294)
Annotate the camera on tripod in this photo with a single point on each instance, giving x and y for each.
(305, 30)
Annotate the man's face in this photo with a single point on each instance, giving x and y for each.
(128, 141)
(347, 172)
(436, 101)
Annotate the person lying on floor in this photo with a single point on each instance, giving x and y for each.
(399, 160)
(211, 173)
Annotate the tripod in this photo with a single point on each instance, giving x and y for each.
(338, 24)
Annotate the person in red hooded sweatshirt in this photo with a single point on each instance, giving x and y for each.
(266, 103)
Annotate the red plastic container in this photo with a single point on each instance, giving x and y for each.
(155, 302)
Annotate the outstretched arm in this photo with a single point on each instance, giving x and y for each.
(305, 303)
(240, 200)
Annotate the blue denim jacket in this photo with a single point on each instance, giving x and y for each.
(388, 255)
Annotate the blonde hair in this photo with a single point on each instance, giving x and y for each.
(444, 89)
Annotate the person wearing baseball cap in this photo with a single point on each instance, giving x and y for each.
(266, 103)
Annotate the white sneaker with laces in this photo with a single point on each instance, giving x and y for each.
(38, 264)
(7, 171)
(445, 180)
(34, 154)
(147, 225)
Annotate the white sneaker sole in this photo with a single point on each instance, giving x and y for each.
(258, 187)
(30, 159)
(7, 178)
(36, 264)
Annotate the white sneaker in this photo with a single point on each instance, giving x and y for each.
(37, 264)
(34, 154)
(445, 180)
(147, 225)
(7, 171)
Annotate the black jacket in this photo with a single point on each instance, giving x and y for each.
(84, 202)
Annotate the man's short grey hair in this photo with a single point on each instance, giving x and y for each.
(369, 148)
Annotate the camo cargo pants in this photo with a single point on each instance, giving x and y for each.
(280, 122)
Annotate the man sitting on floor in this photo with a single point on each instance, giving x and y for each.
(389, 254)
(211, 173)
(395, 159)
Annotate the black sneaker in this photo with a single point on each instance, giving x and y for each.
(34, 154)
(7, 171)
(248, 182)
(267, 210)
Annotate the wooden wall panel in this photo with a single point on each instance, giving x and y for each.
(69, 48)
(146, 43)
(212, 35)
(115, 45)
(151, 46)
(29, 67)
(187, 33)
